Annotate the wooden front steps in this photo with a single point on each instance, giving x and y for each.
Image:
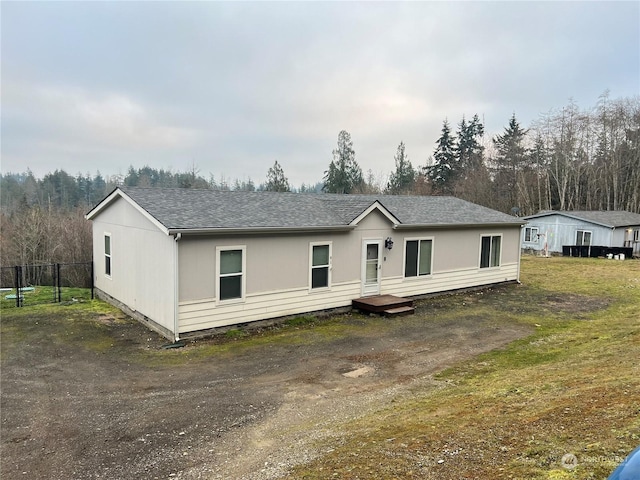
(388, 305)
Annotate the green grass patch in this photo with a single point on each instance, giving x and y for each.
(235, 333)
(44, 294)
(308, 330)
(93, 325)
(303, 320)
(572, 387)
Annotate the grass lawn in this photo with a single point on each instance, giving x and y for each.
(571, 390)
(40, 294)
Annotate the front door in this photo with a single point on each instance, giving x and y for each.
(371, 267)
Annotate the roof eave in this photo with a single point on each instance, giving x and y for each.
(258, 230)
(441, 226)
(569, 215)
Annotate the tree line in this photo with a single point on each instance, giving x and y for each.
(569, 159)
(42, 220)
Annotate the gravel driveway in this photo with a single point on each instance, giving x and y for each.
(94, 396)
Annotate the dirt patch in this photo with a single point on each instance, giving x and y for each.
(520, 299)
(82, 399)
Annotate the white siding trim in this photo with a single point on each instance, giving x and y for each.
(205, 314)
(449, 280)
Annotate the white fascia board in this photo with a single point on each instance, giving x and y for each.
(257, 230)
(376, 206)
(117, 193)
(102, 205)
(441, 226)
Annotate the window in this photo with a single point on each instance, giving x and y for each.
(636, 235)
(320, 265)
(531, 234)
(417, 259)
(490, 247)
(583, 237)
(107, 254)
(231, 279)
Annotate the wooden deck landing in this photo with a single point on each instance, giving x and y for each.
(388, 305)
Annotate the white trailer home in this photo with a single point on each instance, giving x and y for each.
(184, 260)
(554, 229)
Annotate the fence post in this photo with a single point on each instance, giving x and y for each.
(59, 282)
(54, 282)
(17, 283)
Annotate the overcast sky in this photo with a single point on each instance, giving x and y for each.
(231, 87)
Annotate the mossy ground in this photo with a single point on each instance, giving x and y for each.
(572, 387)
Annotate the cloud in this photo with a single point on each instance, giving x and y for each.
(53, 122)
(232, 86)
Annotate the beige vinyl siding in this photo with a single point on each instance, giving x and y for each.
(142, 269)
(448, 280)
(277, 270)
(275, 262)
(204, 314)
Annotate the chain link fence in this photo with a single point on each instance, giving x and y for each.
(24, 285)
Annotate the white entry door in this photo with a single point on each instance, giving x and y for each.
(371, 267)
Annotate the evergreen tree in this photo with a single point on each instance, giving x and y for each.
(402, 180)
(468, 149)
(276, 180)
(511, 156)
(344, 174)
(131, 180)
(99, 189)
(444, 170)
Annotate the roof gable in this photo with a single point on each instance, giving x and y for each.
(116, 194)
(375, 206)
(209, 211)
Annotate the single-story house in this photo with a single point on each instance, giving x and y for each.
(552, 230)
(186, 260)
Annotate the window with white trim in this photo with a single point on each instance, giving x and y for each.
(231, 273)
(583, 237)
(107, 254)
(417, 257)
(490, 249)
(531, 234)
(320, 271)
(636, 235)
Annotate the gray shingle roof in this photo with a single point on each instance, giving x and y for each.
(611, 218)
(193, 209)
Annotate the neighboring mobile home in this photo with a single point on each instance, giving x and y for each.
(185, 260)
(553, 229)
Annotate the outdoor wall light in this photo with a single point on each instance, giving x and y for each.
(388, 243)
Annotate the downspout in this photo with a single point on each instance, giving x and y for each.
(176, 291)
(520, 252)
